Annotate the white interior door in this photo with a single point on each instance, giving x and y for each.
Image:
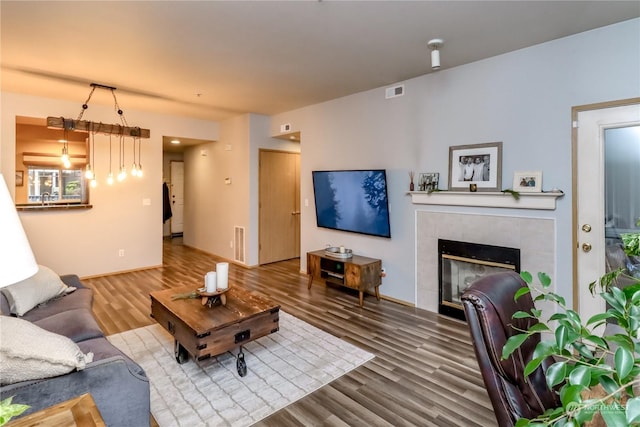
(598, 130)
(177, 197)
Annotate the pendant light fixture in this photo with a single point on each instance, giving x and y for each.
(110, 176)
(122, 170)
(435, 45)
(134, 168)
(139, 160)
(89, 169)
(122, 130)
(90, 174)
(66, 162)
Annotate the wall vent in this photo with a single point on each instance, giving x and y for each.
(238, 245)
(395, 91)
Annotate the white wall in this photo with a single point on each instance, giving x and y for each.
(523, 99)
(86, 242)
(212, 208)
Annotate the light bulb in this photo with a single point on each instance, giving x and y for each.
(94, 182)
(134, 170)
(110, 178)
(122, 174)
(88, 173)
(139, 171)
(65, 156)
(66, 164)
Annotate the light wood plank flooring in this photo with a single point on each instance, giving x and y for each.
(424, 372)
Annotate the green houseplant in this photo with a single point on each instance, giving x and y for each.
(596, 370)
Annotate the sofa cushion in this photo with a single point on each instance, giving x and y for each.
(78, 325)
(81, 298)
(29, 352)
(39, 288)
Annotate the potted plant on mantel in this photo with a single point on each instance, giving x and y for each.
(597, 374)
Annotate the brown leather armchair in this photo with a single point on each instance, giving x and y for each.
(489, 307)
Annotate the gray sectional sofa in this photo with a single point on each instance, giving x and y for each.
(118, 385)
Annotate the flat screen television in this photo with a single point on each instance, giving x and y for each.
(352, 200)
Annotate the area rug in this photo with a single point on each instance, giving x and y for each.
(281, 368)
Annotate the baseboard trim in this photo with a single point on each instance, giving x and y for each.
(113, 273)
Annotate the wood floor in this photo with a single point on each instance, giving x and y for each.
(424, 372)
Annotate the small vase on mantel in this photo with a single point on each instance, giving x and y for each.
(411, 186)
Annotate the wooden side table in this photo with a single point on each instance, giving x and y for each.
(356, 272)
(78, 412)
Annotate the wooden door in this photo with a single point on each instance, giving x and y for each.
(279, 201)
(595, 232)
(177, 197)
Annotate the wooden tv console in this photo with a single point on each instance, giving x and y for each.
(356, 272)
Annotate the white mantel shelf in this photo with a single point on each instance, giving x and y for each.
(498, 199)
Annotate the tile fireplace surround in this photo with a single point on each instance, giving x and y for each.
(535, 237)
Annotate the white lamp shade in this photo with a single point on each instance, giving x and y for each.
(16, 259)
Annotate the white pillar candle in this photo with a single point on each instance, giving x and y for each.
(211, 281)
(222, 268)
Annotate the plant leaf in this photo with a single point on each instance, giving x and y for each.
(556, 373)
(624, 362)
(522, 291)
(532, 366)
(581, 375)
(527, 277)
(521, 315)
(599, 318)
(544, 349)
(539, 327)
(608, 383)
(544, 279)
(613, 302)
(583, 350)
(633, 410)
(597, 341)
(562, 335)
(512, 344)
(571, 394)
(614, 416)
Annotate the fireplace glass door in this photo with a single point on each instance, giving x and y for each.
(462, 263)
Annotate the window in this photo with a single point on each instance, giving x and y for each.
(47, 184)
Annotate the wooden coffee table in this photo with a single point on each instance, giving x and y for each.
(203, 331)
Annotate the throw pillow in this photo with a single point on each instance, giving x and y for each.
(39, 288)
(28, 352)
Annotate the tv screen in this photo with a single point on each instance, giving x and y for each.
(352, 200)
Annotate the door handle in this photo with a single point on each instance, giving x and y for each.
(586, 228)
(295, 213)
(586, 247)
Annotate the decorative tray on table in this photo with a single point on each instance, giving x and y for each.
(334, 252)
(211, 298)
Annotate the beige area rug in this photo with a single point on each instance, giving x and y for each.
(281, 368)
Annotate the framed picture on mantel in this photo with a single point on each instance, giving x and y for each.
(477, 164)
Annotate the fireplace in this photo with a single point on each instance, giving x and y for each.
(462, 263)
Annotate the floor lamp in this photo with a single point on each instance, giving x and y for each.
(16, 259)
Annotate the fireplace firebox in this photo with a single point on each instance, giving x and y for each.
(462, 263)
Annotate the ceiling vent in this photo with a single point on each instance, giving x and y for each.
(395, 91)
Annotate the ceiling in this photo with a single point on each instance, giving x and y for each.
(215, 59)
